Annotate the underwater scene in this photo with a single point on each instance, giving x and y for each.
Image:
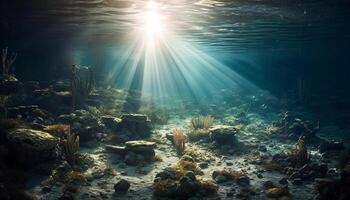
(175, 99)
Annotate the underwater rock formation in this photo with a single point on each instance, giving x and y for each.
(28, 146)
(135, 125)
(180, 181)
(222, 134)
(134, 152)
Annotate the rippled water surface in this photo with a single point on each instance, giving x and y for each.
(233, 24)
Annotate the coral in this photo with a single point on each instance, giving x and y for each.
(299, 154)
(184, 165)
(7, 61)
(208, 187)
(161, 188)
(70, 148)
(179, 140)
(81, 86)
(202, 122)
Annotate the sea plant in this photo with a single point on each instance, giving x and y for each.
(7, 62)
(81, 86)
(202, 122)
(299, 154)
(179, 140)
(71, 148)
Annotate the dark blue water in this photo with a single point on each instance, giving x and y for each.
(271, 44)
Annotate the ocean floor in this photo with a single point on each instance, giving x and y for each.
(113, 145)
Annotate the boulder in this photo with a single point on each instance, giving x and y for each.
(136, 124)
(122, 186)
(223, 134)
(115, 149)
(141, 147)
(30, 146)
(111, 122)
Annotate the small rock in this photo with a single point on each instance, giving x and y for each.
(268, 184)
(243, 181)
(276, 192)
(297, 181)
(122, 186)
(259, 176)
(203, 165)
(220, 178)
(283, 181)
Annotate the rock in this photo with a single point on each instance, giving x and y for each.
(276, 192)
(268, 184)
(187, 187)
(220, 178)
(46, 189)
(191, 175)
(136, 124)
(283, 181)
(29, 146)
(122, 186)
(141, 147)
(111, 122)
(133, 158)
(223, 134)
(243, 181)
(115, 149)
(166, 174)
(203, 165)
(259, 176)
(9, 85)
(187, 158)
(297, 181)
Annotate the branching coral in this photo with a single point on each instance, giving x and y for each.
(299, 154)
(81, 86)
(202, 122)
(71, 147)
(179, 140)
(7, 61)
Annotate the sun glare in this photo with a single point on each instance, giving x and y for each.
(153, 26)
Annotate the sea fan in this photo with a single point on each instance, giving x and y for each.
(179, 140)
(70, 148)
